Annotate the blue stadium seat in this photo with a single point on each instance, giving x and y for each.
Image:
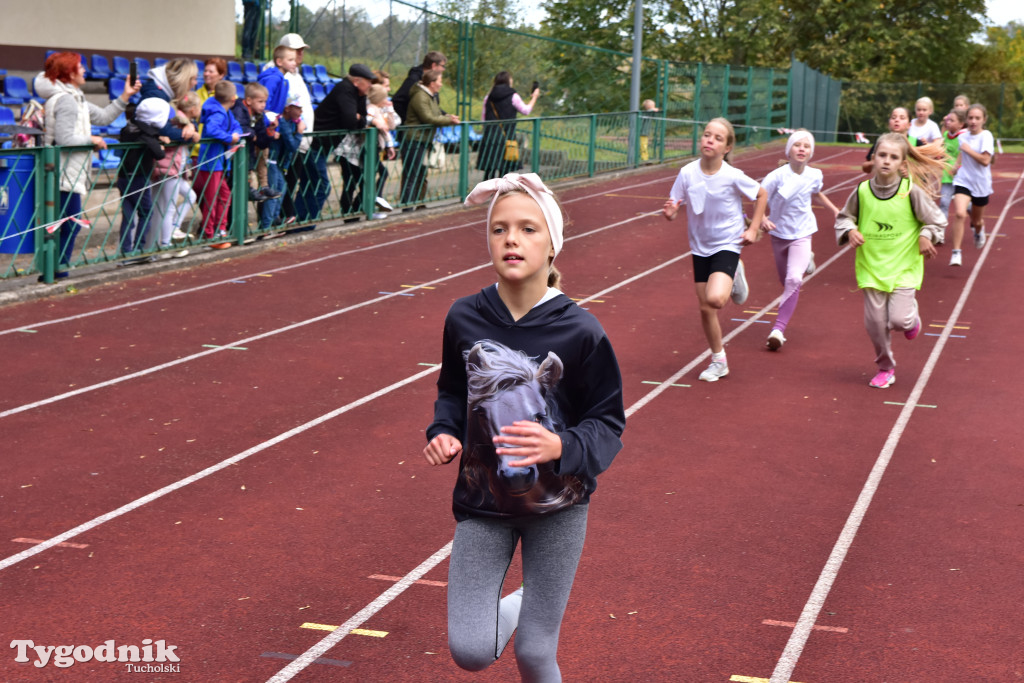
(121, 65)
(142, 65)
(100, 70)
(107, 159)
(240, 89)
(308, 74)
(321, 75)
(235, 72)
(317, 93)
(251, 72)
(6, 117)
(115, 87)
(160, 61)
(114, 129)
(15, 91)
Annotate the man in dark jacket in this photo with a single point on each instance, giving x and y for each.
(431, 60)
(344, 109)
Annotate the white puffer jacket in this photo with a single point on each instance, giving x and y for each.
(69, 120)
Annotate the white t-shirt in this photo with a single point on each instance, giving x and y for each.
(972, 175)
(926, 133)
(714, 206)
(789, 201)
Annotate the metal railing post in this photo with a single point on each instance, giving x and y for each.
(240, 193)
(48, 171)
(592, 150)
(463, 160)
(535, 147)
(371, 157)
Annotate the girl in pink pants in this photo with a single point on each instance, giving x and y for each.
(790, 189)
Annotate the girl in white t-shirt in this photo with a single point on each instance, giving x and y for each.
(790, 189)
(922, 127)
(713, 192)
(973, 182)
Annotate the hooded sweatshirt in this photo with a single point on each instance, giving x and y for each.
(556, 366)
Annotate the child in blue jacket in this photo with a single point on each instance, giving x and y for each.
(215, 159)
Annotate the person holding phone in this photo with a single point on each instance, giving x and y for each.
(69, 120)
(500, 106)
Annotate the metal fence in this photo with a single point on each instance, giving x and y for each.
(128, 216)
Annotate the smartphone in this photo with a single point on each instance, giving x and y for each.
(133, 72)
(536, 86)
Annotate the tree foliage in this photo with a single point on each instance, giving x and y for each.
(879, 40)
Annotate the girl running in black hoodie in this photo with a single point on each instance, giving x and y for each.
(530, 396)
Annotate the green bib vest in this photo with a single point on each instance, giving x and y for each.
(890, 257)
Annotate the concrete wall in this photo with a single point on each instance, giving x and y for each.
(130, 28)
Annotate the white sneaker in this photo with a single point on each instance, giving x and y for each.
(715, 371)
(956, 258)
(740, 291)
(378, 216)
(979, 238)
(383, 204)
(811, 267)
(179, 235)
(775, 340)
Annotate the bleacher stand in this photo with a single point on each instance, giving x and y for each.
(251, 72)
(142, 66)
(308, 74)
(99, 68)
(121, 66)
(15, 91)
(321, 75)
(317, 93)
(235, 72)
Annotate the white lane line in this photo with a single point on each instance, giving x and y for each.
(281, 330)
(190, 290)
(181, 483)
(387, 596)
(358, 250)
(44, 545)
(360, 617)
(798, 639)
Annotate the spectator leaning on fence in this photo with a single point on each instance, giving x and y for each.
(307, 176)
(423, 110)
(168, 82)
(344, 109)
(69, 120)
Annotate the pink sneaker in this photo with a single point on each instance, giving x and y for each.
(884, 379)
(913, 332)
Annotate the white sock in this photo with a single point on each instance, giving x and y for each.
(718, 357)
(508, 615)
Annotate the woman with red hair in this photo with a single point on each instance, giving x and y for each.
(69, 121)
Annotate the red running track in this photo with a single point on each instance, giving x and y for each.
(242, 457)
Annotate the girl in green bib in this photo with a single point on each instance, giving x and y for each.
(894, 223)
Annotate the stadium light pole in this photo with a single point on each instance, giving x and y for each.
(634, 86)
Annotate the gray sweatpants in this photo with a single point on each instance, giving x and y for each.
(883, 312)
(481, 556)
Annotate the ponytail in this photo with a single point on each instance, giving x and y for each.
(925, 164)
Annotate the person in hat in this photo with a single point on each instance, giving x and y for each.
(344, 109)
(307, 176)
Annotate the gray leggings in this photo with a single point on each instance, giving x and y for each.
(480, 559)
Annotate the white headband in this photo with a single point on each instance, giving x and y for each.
(492, 190)
(796, 136)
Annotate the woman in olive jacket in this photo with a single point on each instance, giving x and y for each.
(423, 110)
